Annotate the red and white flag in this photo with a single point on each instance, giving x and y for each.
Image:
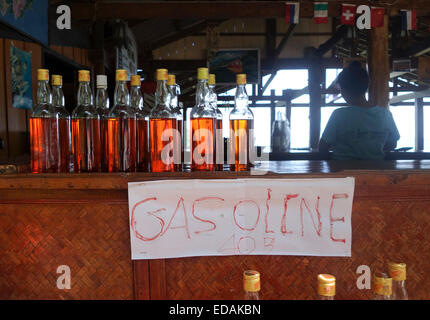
(348, 14)
(377, 17)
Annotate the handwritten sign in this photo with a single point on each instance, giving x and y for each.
(184, 218)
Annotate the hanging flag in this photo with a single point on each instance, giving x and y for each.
(321, 12)
(409, 19)
(348, 14)
(292, 12)
(377, 17)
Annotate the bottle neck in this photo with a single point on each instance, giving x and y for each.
(252, 295)
(241, 98)
(102, 98)
(121, 96)
(173, 96)
(202, 91)
(136, 99)
(85, 96)
(43, 92)
(57, 96)
(398, 283)
(162, 96)
(213, 98)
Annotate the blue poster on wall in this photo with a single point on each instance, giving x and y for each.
(20, 74)
(28, 16)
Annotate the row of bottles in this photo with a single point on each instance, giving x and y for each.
(125, 137)
(385, 287)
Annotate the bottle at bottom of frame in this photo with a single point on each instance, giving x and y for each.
(251, 285)
(326, 287)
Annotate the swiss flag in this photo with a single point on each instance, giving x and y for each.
(377, 17)
(348, 14)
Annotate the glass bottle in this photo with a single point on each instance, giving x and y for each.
(241, 129)
(203, 118)
(382, 286)
(120, 133)
(174, 104)
(43, 129)
(102, 107)
(142, 120)
(219, 141)
(64, 163)
(164, 137)
(85, 129)
(397, 271)
(326, 287)
(251, 285)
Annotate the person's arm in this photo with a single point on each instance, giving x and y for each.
(393, 134)
(328, 138)
(323, 146)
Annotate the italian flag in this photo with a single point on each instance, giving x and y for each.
(320, 12)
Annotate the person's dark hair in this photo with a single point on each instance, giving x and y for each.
(354, 79)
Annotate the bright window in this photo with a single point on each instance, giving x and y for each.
(427, 128)
(404, 116)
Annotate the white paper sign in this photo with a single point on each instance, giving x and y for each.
(184, 218)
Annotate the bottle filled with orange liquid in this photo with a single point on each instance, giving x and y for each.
(251, 285)
(241, 119)
(86, 143)
(142, 121)
(120, 132)
(164, 138)
(202, 118)
(64, 163)
(44, 146)
(102, 107)
(382, 286)
(326, 287)
(219, 140)
(174, 105)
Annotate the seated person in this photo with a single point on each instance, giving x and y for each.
(359, 131)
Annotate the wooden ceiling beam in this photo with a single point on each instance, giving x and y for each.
(219, 9)
(178, 66)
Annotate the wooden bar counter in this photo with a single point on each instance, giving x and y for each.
(82, 221)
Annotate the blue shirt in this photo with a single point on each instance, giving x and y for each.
(360, 132)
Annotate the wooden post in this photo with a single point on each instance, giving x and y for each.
(272, 114)
(379, 67)
(97, 49)
(419, 124)
(315, 75)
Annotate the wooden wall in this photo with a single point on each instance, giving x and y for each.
(13, 121)
(82, 221)
(79, 55)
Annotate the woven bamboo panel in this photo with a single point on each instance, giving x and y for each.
(92, 239)
(381, 231)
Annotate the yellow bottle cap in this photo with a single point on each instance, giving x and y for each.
(135, 80)
(326, 285)
(211, 79)
(251, 281)
(83, 76)
(161, 74)
(171, 80)
(241, 78)
(43, 74)
(382, 284)
(397, 271)
(56, 80)
(121, 75)
(202, 73)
